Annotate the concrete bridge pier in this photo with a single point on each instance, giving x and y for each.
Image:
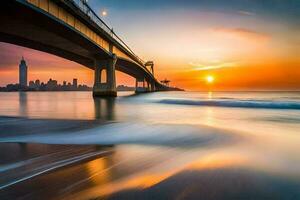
(105, 88)
(152, 87)
(142, 86)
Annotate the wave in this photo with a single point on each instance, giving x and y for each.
(134, 133)
(235, 103)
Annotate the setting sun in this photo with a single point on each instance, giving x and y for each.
(210, 79)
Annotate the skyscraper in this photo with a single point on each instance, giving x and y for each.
(75, 83)
(23, 73)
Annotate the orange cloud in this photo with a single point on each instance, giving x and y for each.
(213, 65)
(243, 33)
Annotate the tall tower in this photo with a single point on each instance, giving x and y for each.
(23, 73)
(75, 83)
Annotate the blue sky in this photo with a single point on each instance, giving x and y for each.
(275, 8)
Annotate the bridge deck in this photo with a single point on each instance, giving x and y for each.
(79, 16)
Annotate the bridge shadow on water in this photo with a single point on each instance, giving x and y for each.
(105, 108)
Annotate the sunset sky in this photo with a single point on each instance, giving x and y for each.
(243, 44)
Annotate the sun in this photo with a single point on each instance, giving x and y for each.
(210, 79)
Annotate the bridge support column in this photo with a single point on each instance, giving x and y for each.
(107, 89)
(142, 86)
(152, 85)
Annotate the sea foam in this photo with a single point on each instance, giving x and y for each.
(235, 103)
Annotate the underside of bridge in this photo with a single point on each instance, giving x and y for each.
(29, 26)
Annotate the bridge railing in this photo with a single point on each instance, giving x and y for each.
(85, 8)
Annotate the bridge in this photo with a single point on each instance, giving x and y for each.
(72, 30)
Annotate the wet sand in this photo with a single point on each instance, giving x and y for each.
(25, 160)
(218, 184)
(22, 161)
(96, 180)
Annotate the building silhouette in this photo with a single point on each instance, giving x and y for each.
(51, 85)
(75, 83)
(23, 73)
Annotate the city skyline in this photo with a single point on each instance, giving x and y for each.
(51, 84)
(37, 85)
(12, 75)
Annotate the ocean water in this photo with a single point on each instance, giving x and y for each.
(168, 145)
